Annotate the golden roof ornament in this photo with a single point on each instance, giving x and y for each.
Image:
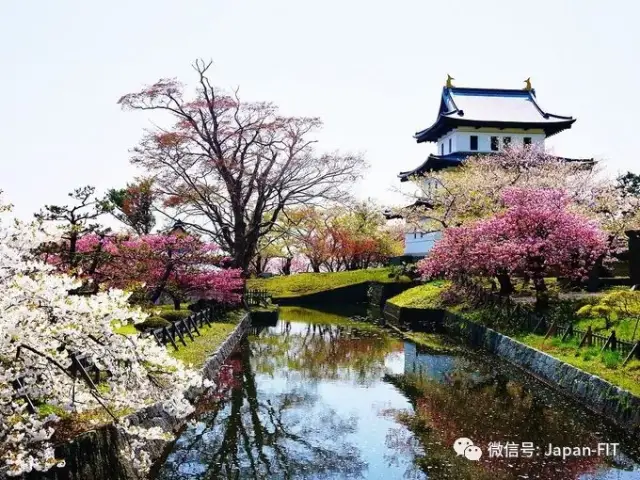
(528, 84)
(449, 79)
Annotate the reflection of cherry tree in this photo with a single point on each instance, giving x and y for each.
(265, 435)
(327, 352)
(487, 406)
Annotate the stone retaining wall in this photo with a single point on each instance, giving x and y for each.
(95, 455)
(418, 319)
(379, 292)
(600, 396)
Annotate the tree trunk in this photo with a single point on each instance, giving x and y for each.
(242, 261)
(155, 295)
(245, 251)
(506, 287)
(593, 280)
(286, 266)
(258, 264)
(73, 257)
(542, 295)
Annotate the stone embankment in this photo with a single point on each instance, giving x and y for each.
(598, 395)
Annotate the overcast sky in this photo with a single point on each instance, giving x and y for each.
(372, 70)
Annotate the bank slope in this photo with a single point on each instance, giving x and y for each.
(302, 284)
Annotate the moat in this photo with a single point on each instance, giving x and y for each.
(316, 396)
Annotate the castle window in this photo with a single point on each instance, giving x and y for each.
(473, 142)
(449, 145)
(442, 148)
(527, 140)
(494, 144)
(506, 141)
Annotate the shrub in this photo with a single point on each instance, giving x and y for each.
(152, 323)
(398, 272)
(175, 315)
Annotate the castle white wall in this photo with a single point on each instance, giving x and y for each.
(419, 243)
(461, 139)
(443, 143)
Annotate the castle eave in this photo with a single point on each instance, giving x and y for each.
(434, 163)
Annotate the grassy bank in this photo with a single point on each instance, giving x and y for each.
(624, 328)
(606, 365)
(307, 283)
(210, 338)
(422, 296)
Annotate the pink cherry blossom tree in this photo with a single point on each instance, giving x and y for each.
(181, 266)
(230, 168)
(536, 236)
(455, 196)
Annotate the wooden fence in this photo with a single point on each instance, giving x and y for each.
(82, 367)
(534, 322)
(586, 338)
(179, 332)
(186, 328)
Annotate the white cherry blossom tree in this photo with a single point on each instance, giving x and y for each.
(41, 328)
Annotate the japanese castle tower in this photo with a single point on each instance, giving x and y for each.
(473, 121)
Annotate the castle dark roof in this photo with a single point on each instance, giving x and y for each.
(439, 162)
(491, 107)
(391, 215)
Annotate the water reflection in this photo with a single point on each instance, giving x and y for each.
(325, 398)
(314, 352)
(260, 434)
(294, 410)
(485, 400)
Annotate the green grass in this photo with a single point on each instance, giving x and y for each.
(203, 346)
(128, 329)
(306, 283)
(606, 365)
(422, 296)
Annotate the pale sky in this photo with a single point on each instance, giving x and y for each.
(372, 70)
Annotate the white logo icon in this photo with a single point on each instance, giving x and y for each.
(465, 447)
